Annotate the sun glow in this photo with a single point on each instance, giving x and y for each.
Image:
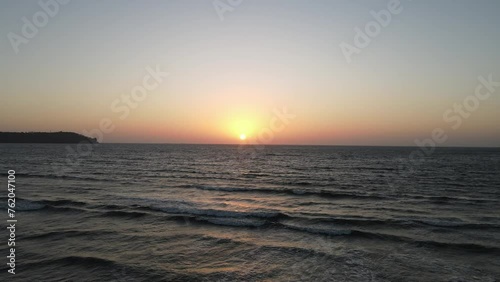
(242, 129)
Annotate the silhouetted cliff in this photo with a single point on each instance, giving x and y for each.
(44, 137)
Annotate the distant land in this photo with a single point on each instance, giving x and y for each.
(44, 137)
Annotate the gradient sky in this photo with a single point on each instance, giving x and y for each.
(227, 76)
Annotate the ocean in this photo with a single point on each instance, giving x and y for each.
(146, 212)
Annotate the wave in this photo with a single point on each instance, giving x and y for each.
(64, 203)
(126, 214)
(98, 268)
(228, 221)
(76, 260)
(362, 221)
(289, 191)
(425, 243)
(217, 213)
(317, 230)
(254, 175)
(399, 222)
(240, 220)
(63, 209)
(375, 168)
(270, 219)
(25, 205)
(54, 176)
(250, 218)
(296, 183)
(254, 247)
(457, 224)
(468, 247)
(295, 192)
(336, 231)
(35, 205)
(22, 204)
(452, 200)
(262, 217)
(67, 233)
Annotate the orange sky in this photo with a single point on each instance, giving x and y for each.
(226, 78)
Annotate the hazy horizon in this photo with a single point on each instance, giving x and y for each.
(265, 144)
(230, 73)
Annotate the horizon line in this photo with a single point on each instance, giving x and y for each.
(305, 145)
(238, 144)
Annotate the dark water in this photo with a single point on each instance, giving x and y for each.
(286, 213)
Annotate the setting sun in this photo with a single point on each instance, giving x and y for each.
(242, 126)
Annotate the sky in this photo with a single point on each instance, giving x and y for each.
(273, 72)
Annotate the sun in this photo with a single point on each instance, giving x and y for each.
(243, 136)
